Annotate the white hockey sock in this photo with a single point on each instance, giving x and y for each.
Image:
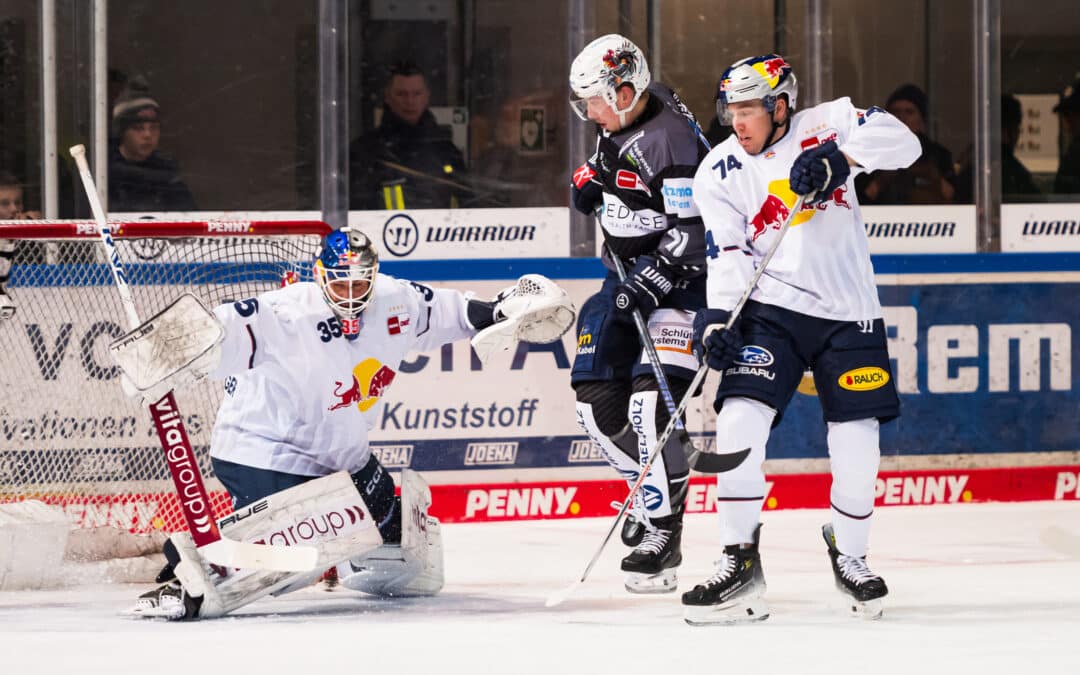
(854, 455)
(655, 489)
(742, 430)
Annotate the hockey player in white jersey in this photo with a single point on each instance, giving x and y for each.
(815, 307)
(639, 182)
(306, 371)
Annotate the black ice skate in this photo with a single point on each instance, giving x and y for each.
(862, 588)
(653, 563)
(734, 593)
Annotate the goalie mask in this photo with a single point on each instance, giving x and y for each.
(345, 271)
(607, 63)
(758, 78)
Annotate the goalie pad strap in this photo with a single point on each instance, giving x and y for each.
(480, 314)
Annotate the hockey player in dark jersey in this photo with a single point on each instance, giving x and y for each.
(639, 183)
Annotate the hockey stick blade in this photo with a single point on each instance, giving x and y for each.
(1061, 540)
(234, 554)
(559, 597)
(709, 462)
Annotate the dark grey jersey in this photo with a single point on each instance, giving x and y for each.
(648, 171)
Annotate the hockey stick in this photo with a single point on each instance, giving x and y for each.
(654, 358)
(704, 460)
(179, 455)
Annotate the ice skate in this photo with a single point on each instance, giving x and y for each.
(168, 601)
(634, 524)
(735, 591)
(862, 588)
(652, 565)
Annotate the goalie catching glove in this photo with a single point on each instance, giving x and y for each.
(175, 348)
(535, 309)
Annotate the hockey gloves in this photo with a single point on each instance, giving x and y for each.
(716, 345)
(586, 188)
(644, 288)
(820, 170)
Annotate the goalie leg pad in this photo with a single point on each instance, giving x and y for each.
(415, 566)
(327, 513)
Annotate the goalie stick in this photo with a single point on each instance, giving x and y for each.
(179, 455)
(706, 462)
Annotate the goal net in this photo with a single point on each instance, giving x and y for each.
(69, 438)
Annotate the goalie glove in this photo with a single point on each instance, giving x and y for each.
(535, 309)
(175, 348)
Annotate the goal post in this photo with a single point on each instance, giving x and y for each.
(69, 437)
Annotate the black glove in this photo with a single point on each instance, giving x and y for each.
(720, 347)
(587, 190)
(820, 170)
(644, 288)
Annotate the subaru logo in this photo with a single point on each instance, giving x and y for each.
(752, 355)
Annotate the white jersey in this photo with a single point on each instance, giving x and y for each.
(300, 397)
(822, 267)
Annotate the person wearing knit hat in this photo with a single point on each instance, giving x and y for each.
(140, 177)
(931, 179)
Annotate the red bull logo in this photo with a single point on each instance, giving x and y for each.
(771, 69)
(838, 197)
(776, 208)
(770, 216)
(369, 380)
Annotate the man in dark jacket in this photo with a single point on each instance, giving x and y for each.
(408, 162)
(140, 177)
(1067, 180)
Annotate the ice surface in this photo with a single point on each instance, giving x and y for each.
(972, 591)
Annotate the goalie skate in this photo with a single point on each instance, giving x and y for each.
(861, 588)
(169, 601)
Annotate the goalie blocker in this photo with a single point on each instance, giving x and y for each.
(328, 513)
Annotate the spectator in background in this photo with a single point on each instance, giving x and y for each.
(11, 199)
(140, 177)
(11, 208)
(1067, 180)
(931, 179)
(1016, 180)
(409, 161)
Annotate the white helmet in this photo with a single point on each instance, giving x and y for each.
(606, 64)
(761, 78)
(347, 257)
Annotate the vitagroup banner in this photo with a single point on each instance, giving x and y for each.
(442, 234)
